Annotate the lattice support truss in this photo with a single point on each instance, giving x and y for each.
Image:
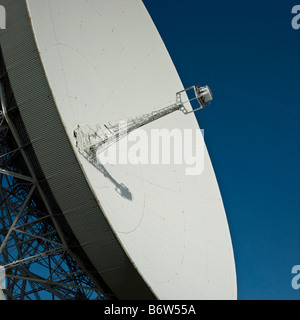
(37, 262)
(90, 141)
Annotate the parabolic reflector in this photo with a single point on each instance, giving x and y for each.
(150, 230)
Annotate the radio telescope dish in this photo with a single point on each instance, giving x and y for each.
(150, 231)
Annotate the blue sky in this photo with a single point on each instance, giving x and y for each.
(249, 54)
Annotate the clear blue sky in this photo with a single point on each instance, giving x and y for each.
(249, 54)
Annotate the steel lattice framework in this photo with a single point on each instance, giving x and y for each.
(39, 262)
(91, 141)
